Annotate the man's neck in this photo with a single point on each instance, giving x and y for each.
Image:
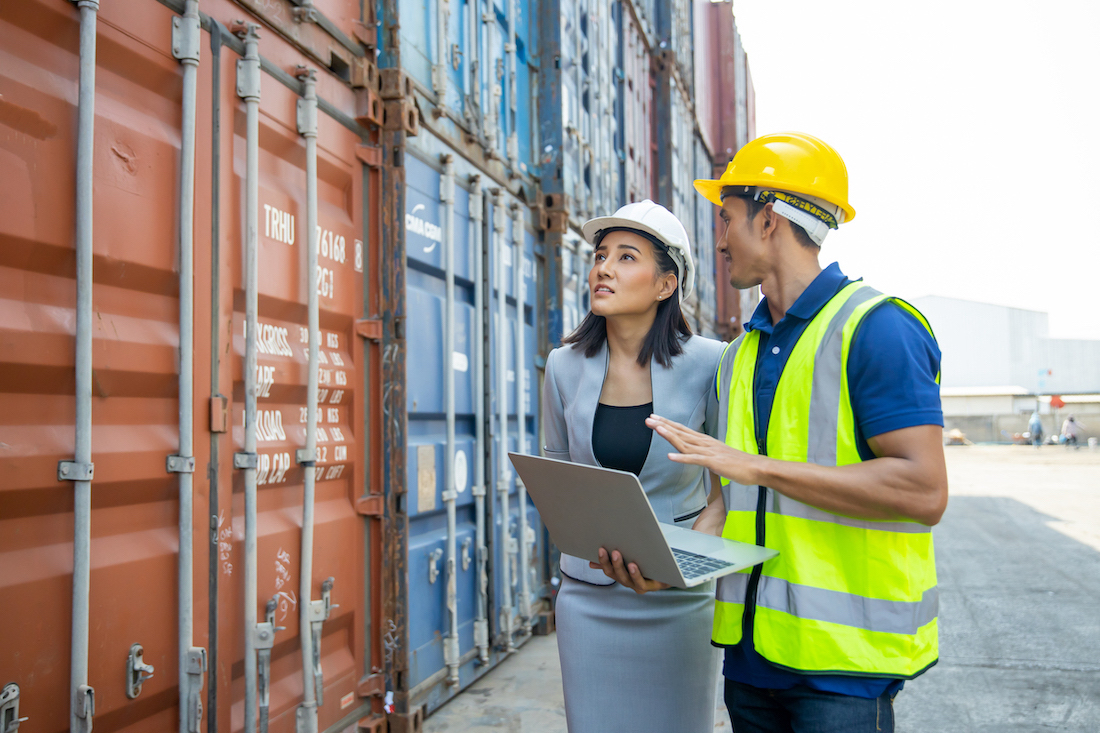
(787, 282)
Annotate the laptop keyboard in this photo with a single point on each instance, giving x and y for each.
(692, 565)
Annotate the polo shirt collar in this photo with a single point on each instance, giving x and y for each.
(807, 305)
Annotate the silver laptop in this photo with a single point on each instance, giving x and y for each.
(588, 507)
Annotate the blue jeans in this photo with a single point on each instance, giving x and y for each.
(802, 710)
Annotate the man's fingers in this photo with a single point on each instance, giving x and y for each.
(695, 459)
(683, 439)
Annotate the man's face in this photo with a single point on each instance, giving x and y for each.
(742, 246)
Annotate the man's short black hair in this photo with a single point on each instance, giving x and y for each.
(754, 207)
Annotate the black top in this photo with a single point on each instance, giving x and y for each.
(620, 438)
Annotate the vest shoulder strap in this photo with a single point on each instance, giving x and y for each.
(725, 368)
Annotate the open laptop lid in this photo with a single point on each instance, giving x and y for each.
(588, 507)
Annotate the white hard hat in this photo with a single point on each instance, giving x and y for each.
(659, 223)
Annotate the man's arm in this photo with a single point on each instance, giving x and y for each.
(906, 480)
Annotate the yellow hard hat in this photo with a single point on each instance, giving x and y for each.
(788, 161)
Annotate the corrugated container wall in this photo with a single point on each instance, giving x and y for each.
(636, 117)
(732, 121)
(703, 239)
(179, 587)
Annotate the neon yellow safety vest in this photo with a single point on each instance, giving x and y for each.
(845, 596)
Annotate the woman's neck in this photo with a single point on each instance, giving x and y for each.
(626, 334)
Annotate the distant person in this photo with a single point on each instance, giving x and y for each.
(1072, 431)
(1035, 429)
(830, 451)
(632, 662)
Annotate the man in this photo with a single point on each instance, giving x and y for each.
(832, 454)
(1035, 429)
(1071, 432)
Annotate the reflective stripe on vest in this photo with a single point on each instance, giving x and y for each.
(844, 596)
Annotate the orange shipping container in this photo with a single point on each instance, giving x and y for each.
(136, 162)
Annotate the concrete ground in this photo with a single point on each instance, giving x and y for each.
(1018, 554)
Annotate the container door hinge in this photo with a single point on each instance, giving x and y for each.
(319, 611)
(196, 669)
(369, 155)
(371, 505)
(137, 671)
(369, 328)
(9, 709)
(73, 471)
(373, 685)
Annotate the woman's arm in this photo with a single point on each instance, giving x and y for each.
(553, 414)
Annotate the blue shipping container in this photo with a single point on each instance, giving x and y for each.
(500, 579)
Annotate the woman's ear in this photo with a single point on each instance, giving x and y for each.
(668, 286)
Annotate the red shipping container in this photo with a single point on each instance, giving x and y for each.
(135, 337)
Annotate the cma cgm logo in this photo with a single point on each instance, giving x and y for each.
(426, 229)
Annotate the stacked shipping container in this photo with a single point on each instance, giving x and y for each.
(728, 120)
(382, 218)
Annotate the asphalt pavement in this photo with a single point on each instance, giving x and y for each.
(1018, 557)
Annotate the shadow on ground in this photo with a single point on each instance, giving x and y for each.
(1019, 626)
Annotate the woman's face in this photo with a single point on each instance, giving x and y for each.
(625, 279)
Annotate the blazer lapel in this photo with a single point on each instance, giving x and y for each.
(588, 399)
(664, 386)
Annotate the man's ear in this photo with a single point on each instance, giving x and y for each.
(770, 221)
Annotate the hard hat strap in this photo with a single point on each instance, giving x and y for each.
(764, 196)
(815, 228)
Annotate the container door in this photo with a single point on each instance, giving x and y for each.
(426, 239)
(339, 550)
(511, 389)
(134, 362)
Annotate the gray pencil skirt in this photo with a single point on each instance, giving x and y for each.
(637, 663)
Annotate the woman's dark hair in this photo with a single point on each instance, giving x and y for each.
(669, 330)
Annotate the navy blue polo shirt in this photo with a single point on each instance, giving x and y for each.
(892, 368)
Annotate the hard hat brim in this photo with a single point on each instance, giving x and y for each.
(710, 190)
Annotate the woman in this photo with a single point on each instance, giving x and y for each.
(633, 662)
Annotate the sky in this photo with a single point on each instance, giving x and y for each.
(971, 132)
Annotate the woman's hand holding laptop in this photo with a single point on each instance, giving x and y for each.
(626, 574)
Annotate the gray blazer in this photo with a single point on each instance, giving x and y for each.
(684, 392)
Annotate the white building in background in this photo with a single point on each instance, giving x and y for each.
(999, 364)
